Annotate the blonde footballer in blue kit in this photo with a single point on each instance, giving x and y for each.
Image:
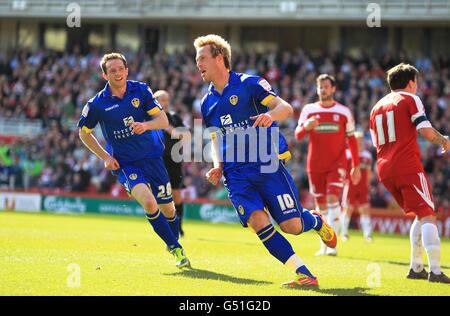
(238, 102)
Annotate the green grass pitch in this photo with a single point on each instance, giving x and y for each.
(46, 254)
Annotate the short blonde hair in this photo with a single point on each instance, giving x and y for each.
(218, 46)
(160, 93)
(359, 134)
(111, 56)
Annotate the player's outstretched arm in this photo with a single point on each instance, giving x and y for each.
(279, 111)
(92, 144)
(433, 136)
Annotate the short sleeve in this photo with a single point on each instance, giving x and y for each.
(373, 135)
(260, 89)
(89, 117)
(350, 125)
(416, 112)
(303, 115)
(151, 105)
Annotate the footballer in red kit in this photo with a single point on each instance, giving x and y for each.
(401, 114)
(395, 122)
(330, 127)
(356, 196)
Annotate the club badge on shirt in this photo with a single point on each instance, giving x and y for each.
(136, 102)
(234, 99)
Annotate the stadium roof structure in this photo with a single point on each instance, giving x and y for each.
(251, 10)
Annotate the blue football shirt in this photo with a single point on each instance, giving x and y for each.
(114, 116)
(243, 97)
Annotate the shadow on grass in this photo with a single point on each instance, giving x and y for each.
(205, 274)
(398, 263)
(220, 241)
(406, 264)
(357, 291)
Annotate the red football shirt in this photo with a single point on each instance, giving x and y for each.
(327, 142)
(365, 159)
(394, 122)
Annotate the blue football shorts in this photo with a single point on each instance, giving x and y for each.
(150, 171)
(250, 190)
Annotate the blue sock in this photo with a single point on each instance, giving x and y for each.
(304, 270)
(174, 224)
(277, 245)
(162, 228)
(311, 221)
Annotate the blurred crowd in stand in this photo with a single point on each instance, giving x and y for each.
(52, 88)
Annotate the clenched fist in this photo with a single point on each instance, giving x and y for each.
(111, 163)
(138, 127)
(214, 175)
(311, 123)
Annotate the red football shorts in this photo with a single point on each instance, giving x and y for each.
(413, 193)
(322, 184)
(358, 195)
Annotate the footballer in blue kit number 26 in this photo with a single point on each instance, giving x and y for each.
(132, 120)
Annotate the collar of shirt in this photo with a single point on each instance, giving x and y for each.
(232, 81)
(106, 92)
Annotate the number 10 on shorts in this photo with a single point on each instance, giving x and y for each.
(285, 201)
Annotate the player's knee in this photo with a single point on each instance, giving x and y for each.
(364, 211)
(349, 211)
(332, 199)
(149, 205)
(258, 220)
(293, 230)
(168, 209)
(293, 227)
(169, 212)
